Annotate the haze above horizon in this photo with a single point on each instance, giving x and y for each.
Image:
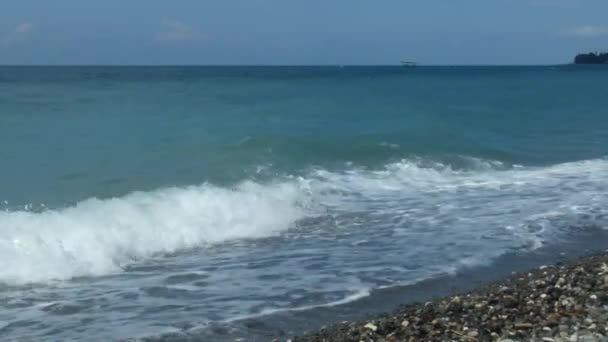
(274, 32)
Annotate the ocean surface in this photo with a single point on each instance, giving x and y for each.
(142, 202)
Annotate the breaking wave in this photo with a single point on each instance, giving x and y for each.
(98, 237)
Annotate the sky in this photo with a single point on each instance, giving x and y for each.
(305, 32)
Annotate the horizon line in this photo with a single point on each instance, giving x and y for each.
(279, 65)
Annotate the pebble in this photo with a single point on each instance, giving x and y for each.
(371, 327)
(559, 304)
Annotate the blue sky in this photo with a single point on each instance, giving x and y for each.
(300, 32)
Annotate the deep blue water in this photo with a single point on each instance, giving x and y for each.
(137, 200)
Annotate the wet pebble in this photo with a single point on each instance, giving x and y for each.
(552, 303)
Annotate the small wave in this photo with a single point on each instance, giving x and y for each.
(429, 175)
(97, 237)
(389, 145)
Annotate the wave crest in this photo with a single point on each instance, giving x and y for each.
(98, 237)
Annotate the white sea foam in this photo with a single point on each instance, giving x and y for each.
(356, 295)
(97, 237)
(410, 175)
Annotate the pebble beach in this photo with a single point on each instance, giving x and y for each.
(552, 303)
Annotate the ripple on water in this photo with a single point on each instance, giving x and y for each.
(167, 292)
(63, 308)
(185, 278)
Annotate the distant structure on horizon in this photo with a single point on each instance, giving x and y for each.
(409, 63)
(592, 58)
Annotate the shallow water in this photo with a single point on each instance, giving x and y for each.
(140, 201)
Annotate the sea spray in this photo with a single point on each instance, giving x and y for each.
(97, 237)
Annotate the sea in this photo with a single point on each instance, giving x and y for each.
(222, 203)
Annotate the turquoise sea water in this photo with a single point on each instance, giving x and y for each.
(140, 200)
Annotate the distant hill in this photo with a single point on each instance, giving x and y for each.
(591, 58)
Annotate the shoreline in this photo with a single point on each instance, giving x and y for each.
(330, 323)
(562, 302)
